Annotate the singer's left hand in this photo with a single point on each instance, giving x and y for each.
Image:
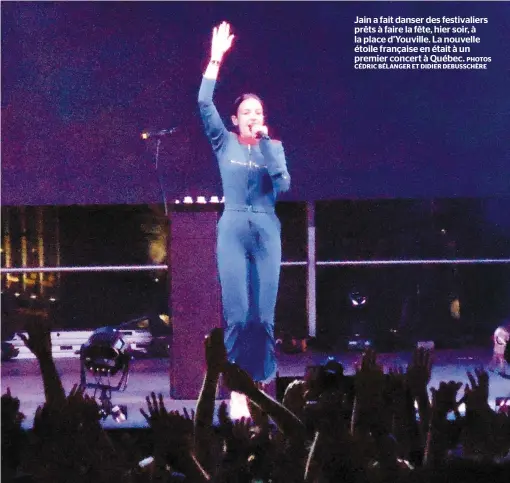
(259, 130)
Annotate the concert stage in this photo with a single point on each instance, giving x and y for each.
(23, 377)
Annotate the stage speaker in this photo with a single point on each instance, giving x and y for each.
(195, 297)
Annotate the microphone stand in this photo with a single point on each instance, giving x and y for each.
(165, 225)
(158, 174)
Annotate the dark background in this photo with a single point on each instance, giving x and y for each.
(415, 299)
(81, 80)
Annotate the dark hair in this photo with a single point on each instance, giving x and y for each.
(243, 97)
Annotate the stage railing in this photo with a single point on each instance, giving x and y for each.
(311, 272)
(140, 268)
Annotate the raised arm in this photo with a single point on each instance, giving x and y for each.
(239, 380)
(215, 356)
(38, 329)
(214, 127)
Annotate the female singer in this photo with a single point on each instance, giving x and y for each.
(253, 171)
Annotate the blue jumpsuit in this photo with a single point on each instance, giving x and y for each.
(248, 243)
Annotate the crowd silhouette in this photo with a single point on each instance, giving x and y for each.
(374, 426)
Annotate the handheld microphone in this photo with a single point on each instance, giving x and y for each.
(154, 134)
(258, 134)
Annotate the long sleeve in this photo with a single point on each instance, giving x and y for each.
(213, 124)
(274, 156)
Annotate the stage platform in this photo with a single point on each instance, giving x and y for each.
(23, 377)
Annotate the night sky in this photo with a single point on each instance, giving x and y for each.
(81, 80)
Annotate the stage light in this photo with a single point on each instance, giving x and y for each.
(188, 199)
(105, 351)
(357, 299)
(201, 200)
(214, 199)
(103, 355)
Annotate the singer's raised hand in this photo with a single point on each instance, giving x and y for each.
(221, 41)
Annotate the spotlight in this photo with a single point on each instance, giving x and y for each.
(357, 298)
(104, 355)
(105, 351)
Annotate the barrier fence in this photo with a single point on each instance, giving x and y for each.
(66, 344)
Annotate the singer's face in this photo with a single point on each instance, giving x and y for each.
(250, 113)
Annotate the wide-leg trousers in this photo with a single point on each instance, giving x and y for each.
(249, 257)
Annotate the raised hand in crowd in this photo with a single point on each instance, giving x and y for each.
(418, 376)
(401, 411)
(38, 328)
(38, 340)
(173, 438)
(11, 415)
(419, 372)
(236, 436)
(215, 352)
(483, 435)
(369, 389)
(476, 396)
(240, 381)
(444, 401)
(81, 411)
(204, 440)
(70, 434)
(172, 431)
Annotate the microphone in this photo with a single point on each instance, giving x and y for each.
(155, 134)
(258, 134)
